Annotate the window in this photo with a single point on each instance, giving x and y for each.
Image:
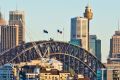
(56, 78)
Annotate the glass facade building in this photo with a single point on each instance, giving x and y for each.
(102, 74)
(95, 46)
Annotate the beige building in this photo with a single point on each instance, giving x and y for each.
(18, 18)
(43, 70)
(113, 65)
(14, 33)
(36, 70)
(113, 71)
(115, 44)
(54, 75)
(79, 31)
(9, 36)
(114, 54)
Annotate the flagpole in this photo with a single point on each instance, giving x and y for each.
(46, 34)
(57, 35)
(63, 34)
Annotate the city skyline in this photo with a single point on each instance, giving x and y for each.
(57, 14)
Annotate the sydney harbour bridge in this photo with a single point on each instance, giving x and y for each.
(73, 57)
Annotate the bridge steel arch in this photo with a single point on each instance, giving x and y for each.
(73, 57)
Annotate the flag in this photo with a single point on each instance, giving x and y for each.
(45, 31)
(59, 31)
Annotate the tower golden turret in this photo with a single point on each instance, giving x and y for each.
(88, 12)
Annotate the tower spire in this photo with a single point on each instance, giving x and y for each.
(88, 3)
(16, 6)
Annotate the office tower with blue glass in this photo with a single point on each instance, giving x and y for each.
(95, 46)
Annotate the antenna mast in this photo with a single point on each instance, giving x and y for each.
(118, 25)
(16, 6)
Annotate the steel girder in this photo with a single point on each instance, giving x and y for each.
(73, 57)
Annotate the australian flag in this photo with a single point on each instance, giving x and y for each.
(59, 31)
(45, 31)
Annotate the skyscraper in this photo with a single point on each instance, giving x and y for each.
(2, 22)
(79, 31)
(18, 18)
(114, 55)
(95, 46)
(9, 36)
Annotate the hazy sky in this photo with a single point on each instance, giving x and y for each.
(56, 14)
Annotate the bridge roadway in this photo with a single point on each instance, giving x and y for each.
(73, 57)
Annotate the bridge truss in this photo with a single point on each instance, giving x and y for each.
(73, 57)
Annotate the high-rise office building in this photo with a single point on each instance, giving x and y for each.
(114, 55)
(79, 31)
(9, 36)
(2, 22)
(18, 18)
(95, 46)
